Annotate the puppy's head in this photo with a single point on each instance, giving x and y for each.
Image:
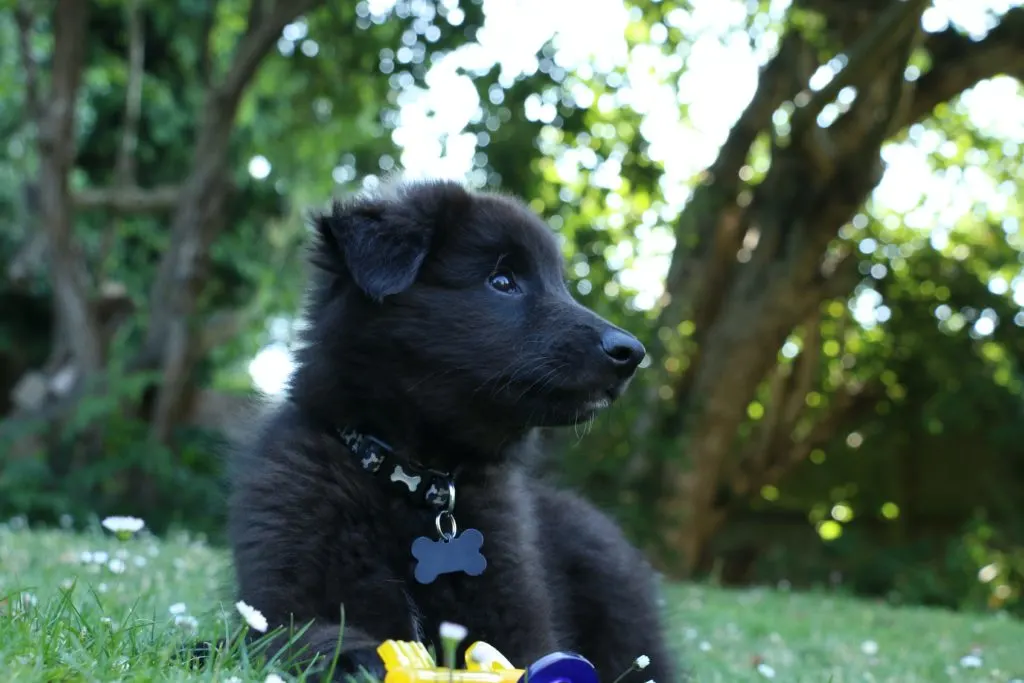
(455, 304)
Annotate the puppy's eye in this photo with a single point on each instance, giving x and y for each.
(504, 282)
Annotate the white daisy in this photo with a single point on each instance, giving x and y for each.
(273, 678)
(186, 623)
(252, 616)
(450, 631)
(869, 647)
(177, 608)
(116, 565)
(451, 636)
(122, 526)
(766, 670)
(639, 664)
(971, 661)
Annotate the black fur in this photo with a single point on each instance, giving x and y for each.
(411, 339)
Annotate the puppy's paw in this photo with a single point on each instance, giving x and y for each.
(197, 654)
(358, 664)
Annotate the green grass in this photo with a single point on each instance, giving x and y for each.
(62, 619)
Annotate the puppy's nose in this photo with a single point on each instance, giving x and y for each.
(623, 349)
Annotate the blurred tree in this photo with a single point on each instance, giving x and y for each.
(759, 254)
(757, 360)
(155, 233)
(757, 258)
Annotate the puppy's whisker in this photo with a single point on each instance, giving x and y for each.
(497, 375)
(524, 370)
(509, 379)
(552, 378)
(550, 374)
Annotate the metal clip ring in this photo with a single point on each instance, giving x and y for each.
(453, 529)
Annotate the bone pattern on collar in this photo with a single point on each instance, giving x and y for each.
(424, 485)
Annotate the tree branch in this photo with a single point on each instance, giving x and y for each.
(204, 66)
(805, 369)
(257, 42)
(222, 412)
(221, 327)
(880, 107)
(840, 277)
(722, 177)
(846, 408)
(775, 85)
(892, 103)
(128, 199)
(56, 143)
(863, 60)
(124, 167)
(767, 430)
(712, 225)
(958, 62)
(29, 259)
(787, 402)
(23, 17)
(255, 16)
(171, 340)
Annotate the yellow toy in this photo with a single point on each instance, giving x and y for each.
(410, 662)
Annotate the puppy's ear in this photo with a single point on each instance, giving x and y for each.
(380, 246)
(381, 243)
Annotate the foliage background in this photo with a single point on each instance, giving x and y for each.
(833, 394)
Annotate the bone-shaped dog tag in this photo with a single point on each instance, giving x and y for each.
(460, 554)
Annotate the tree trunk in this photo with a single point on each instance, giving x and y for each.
(172, 339)
(753, 264)
(83, 327)
(57, 148)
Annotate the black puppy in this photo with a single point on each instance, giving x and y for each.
(440, 336)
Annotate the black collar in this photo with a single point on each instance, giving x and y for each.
(424, 485)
